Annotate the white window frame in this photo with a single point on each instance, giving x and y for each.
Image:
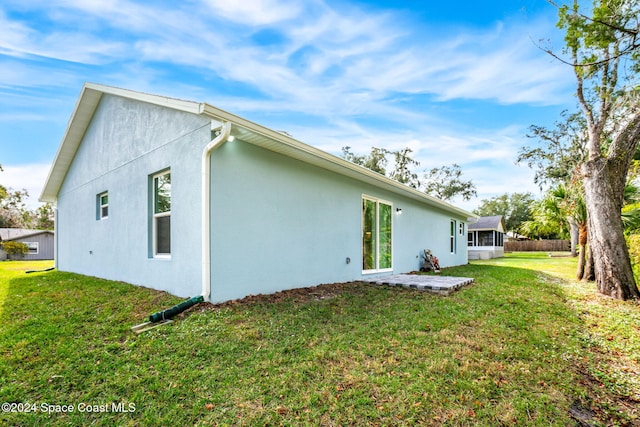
(101, 205)
(37, 247)
(155, 216)
(474, 237)
(378, 202)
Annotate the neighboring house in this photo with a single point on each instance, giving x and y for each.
(485, 238)
(39, 242)
(185, 197)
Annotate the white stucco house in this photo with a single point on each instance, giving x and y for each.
(185, 197)
(485, 237)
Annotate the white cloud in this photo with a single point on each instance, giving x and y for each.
(325, 60)
(355, 75)
(30, 177)
(256, 12)
(18, 40)
(486, 158)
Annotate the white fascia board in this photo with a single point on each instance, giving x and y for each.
(163, 101)
(244, 129)
(80, 118)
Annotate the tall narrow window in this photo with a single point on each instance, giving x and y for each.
(162, 214)
(384, 235)
(452, 237)
(369, 235)
(103, 205)
(377, 244)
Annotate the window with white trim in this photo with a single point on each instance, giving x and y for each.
(103, 205)
(377, 236)
(161, 204)
(33, 247)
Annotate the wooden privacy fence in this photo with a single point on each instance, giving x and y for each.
(538, 246)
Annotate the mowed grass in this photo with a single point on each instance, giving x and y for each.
(523, 345)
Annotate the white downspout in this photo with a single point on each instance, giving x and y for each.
(215, 143)
(55, 234)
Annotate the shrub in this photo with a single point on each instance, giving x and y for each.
(15, 248)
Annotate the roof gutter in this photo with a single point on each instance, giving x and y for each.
(221, 138)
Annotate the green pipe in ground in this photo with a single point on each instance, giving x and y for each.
(176, 309)
(39, 271)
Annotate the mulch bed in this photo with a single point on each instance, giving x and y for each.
(297, 295)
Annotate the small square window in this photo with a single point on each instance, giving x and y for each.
(103, 206)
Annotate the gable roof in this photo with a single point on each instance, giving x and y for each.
(19, 233)
(242, 129)
(488, 223)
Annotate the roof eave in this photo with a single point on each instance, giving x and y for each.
(244, 129)
(262, 136)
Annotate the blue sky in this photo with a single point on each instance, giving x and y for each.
(457, 82)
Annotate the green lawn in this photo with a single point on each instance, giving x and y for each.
(524, 345)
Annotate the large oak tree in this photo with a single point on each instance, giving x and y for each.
(602, 46)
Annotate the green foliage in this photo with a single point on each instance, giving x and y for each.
(611, 29)
(375, 161)
(633, 244)
(552, 213)
(13, 209)
(43, 218)
(15, 248)
(631, 218)
(446, 183)
(402, 171)
(560, 152)
(513, 207)
(15, 214)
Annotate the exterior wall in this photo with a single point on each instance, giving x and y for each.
(486, 252)
(126, 142)
(278, 223)
(45, 246)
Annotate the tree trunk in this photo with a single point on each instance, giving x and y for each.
(582, 240)
(581, 262)
(589, 274)
(604, 181)
(573, 232)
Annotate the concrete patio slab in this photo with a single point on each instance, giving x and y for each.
(437, 284)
